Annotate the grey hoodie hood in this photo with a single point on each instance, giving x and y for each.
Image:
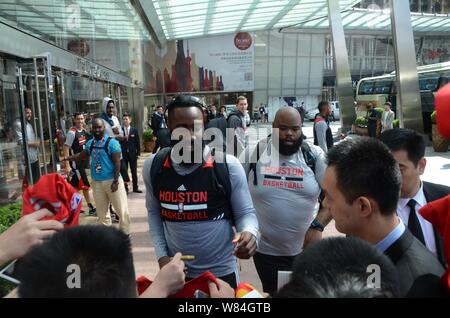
(106, 100)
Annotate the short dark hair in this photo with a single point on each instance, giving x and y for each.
(182, 101)
(159, 106)
(322, 105)
(75, 115)
(126, 115)
(338, 267)
(405, 139)
(102, 253)
(365, 167)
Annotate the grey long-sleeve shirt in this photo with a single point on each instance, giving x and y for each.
(208, 241)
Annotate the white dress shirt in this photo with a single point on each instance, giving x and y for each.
(427, 228)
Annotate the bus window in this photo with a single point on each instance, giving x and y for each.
(383, 86)
(428, 81)
(365, 88)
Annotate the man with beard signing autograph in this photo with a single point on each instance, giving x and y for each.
(194, 205)
(284, 175)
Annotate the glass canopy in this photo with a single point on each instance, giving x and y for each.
(54, 19)
(197, 18)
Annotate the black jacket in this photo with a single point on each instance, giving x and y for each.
(412, 260)
(434, 192)
(132, 147)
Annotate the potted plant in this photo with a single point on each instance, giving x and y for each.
(440, 144)
(9, 214)
(149, 140)
(396, 123)
(361, 126)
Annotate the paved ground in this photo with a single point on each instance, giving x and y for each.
(438, 171)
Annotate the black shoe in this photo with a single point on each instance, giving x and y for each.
(114, 218)
(92, 211)
(137, 191)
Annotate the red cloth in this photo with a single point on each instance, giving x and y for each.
(438, 214)
(200, 283)
(442, 103)
(54, 193)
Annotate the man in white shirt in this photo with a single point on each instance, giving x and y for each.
(387, 118)
(285, 193)
(408, 148)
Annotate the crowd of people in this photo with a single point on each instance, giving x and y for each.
(268, 200)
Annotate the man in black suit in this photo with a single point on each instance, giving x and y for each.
(131, 149)
(362, 187)
(408, 148)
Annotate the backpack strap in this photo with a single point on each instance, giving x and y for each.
(105, 147)
(310, 159)
(157, 165)
(223, 176)
(260, 148)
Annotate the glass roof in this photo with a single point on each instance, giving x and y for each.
(88, 19)
(193, 18)
(197, 18)
(366, 19)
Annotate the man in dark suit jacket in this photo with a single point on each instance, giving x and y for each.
(131, 149)
(408, 148)
(367, 210)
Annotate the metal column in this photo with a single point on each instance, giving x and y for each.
(409, 106)
(343, 77)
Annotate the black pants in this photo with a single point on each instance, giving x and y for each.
(124, 171)
(268, 266)
(132, 162)
(230, 279)
(35, 170)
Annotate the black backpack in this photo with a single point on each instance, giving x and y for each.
(220, 170)
(310, 159)
(104, 147)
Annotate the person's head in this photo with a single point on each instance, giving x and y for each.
(98, 128)
(126, 119)
(289, 124)
(241, 104)
(361, 185)
(387, 106)
(108, 106)
(28, 113)
(369, 106)
(324, 108)
(213, 109)
(341, 267)
(96, 257)
(186, 111)
(78, 119)
(160, 109)
(408, 148)
(223, 110)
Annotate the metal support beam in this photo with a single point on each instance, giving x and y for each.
(409, 107)
(342, 67)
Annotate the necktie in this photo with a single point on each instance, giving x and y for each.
(413, 222)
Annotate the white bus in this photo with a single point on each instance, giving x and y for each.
(380, 89)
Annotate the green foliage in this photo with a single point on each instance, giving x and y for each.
(379, 110)
(147, 135)
(9, 214)
(396, 123)
(361, 121)
(433, 117)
